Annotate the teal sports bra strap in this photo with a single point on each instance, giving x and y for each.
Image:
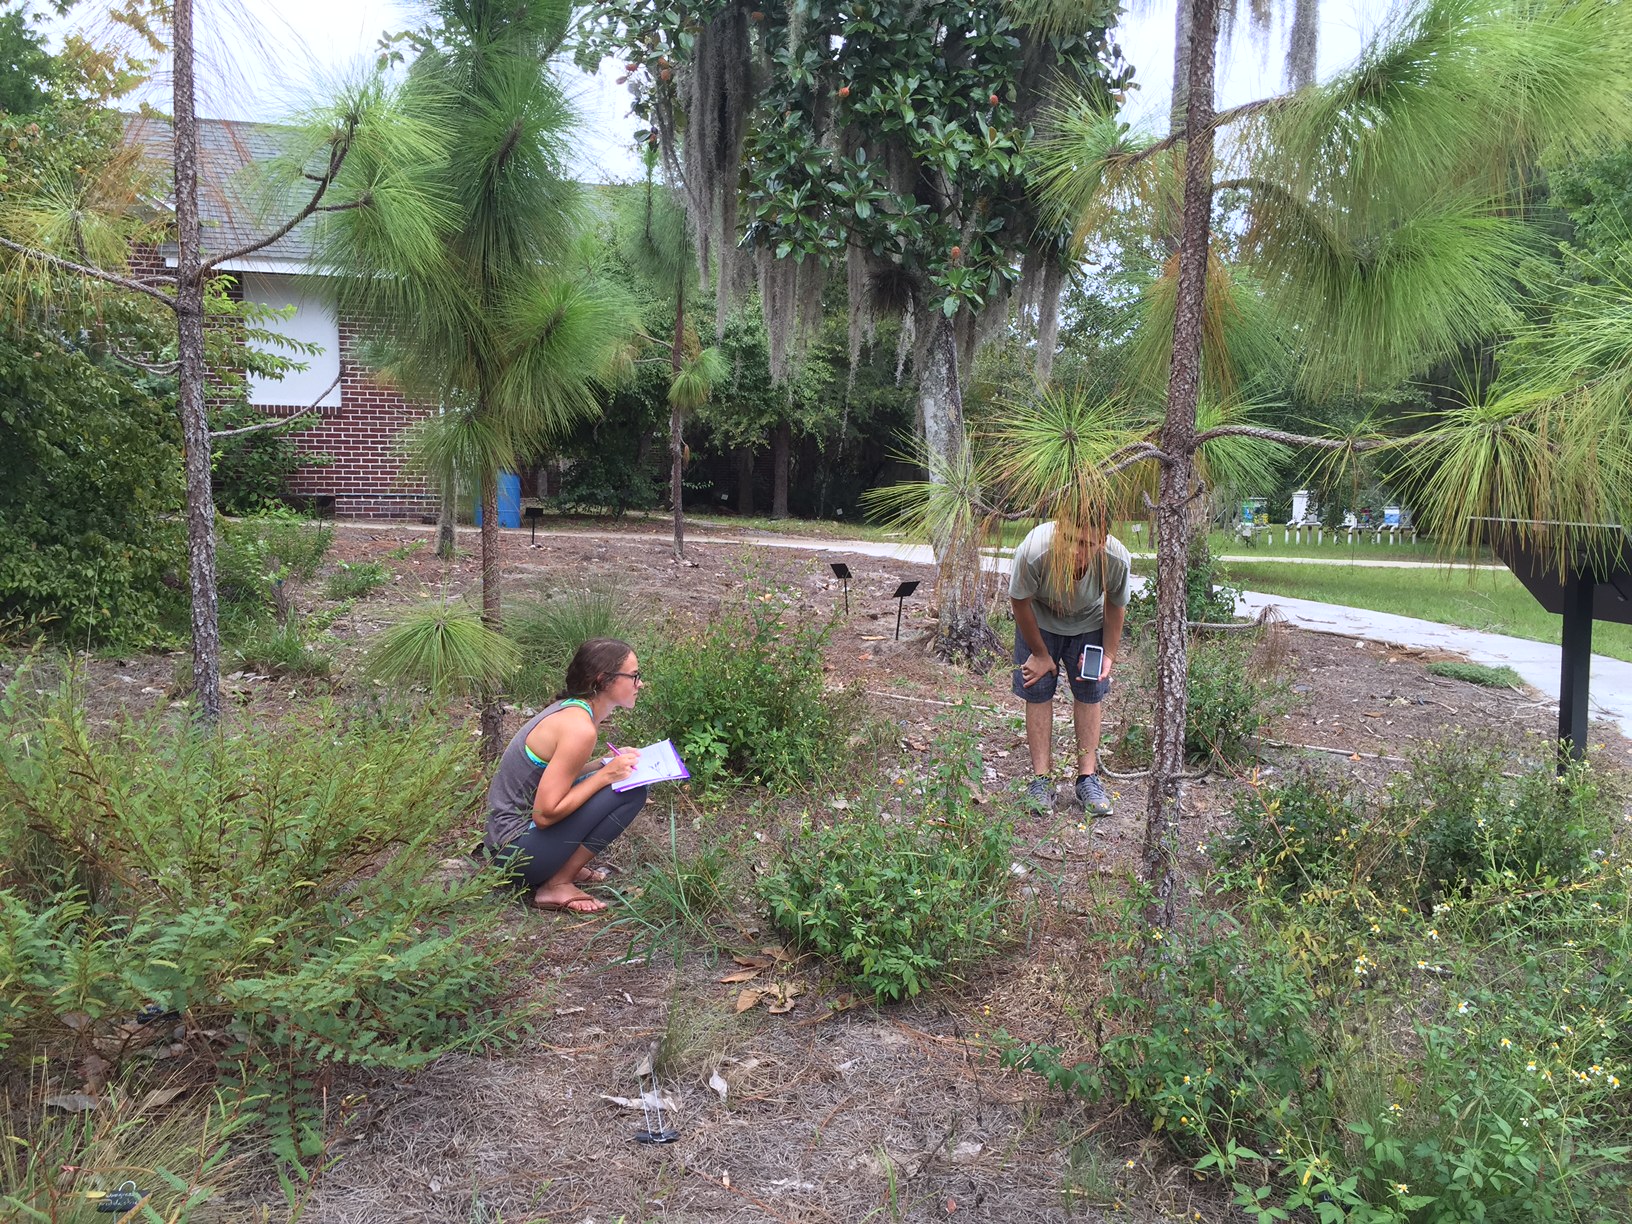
(570, 701)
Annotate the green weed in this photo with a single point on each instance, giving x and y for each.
(356, 581)
(1477, 673)
(899, 897)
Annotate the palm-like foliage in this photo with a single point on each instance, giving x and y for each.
(497, 320)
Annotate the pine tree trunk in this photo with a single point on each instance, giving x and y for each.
(1183, 38)
(492, 610)
(1303, 44)
(781, 448)
(745, 480)
(445, 517)
(195, 421)
(1165, 804)
(961, 631)
(677, 440)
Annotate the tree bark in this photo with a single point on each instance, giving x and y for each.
(191, 374)
(745, 480)
(492, 610)
(677, 440)
(1183, 38)
(1178, 439)
(781, 447)
(961, 630)
(445, 516)
(1301, 47)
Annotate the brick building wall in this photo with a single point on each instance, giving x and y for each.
(365, 473)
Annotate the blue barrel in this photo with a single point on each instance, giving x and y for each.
(509, 501)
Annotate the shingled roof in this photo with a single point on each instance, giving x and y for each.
(227, 204)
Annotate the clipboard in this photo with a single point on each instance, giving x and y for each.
(659, 762)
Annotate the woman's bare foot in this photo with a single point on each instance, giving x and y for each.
(592, 875)
(567, 898)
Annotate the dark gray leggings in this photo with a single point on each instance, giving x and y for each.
(538, 853)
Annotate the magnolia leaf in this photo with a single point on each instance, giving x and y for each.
(742, 975)
(749, 999)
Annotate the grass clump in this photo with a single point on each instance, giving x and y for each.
(744, 698)
(269, 893)
(262, 645)
(356, 581)
(548, 631)
(900, 898)
(1477, 673)
(1401, 1008)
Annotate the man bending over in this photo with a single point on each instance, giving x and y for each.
(1069, 589)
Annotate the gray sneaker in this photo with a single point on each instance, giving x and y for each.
(1091, 794)
(1040, 794)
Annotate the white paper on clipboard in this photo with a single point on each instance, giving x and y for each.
(659, 762)
(1088, 666)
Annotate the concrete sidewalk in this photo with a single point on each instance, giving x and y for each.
(1537, 662)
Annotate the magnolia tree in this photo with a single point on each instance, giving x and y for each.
(891, 141)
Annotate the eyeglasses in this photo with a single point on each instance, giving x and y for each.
(634, 675)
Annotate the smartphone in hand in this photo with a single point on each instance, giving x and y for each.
(1088, 667)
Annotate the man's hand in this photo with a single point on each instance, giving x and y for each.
(1105, 665)
(1035, 668)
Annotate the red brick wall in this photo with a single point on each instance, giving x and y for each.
(365, 473)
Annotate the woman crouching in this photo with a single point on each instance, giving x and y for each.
(550, 809)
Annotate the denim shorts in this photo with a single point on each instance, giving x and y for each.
(1065, 651)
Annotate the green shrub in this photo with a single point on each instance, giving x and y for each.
(1477, 673)
(271, 888)
(259, 555)
(356, 581)
(91, 544)
(1299, 834)
(745, 697)
(1229, 703)
(1207, 598)
(1343, 1056)
(1448, 820)
(899, 898)
(1467, 820)
(549, 631)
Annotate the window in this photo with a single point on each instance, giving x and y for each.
(314, 323)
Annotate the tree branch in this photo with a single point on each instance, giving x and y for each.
(1221, 119)
(1292, 439)
(281, 422)
(89, 271)
(337, 157)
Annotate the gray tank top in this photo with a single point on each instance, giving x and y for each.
(515, 783)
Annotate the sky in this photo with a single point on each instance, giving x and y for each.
(260, 58)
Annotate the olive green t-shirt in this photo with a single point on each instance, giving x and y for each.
(1081, 607)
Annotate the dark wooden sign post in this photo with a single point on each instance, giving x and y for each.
(1583, 573)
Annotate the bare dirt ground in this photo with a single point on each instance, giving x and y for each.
(834, 1110)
